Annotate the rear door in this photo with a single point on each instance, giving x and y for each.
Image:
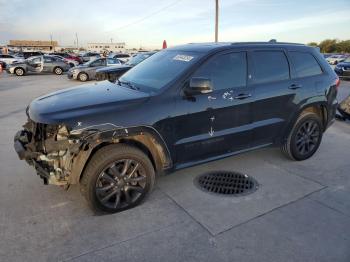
(49, 63)
(99, 63)
(275, 94)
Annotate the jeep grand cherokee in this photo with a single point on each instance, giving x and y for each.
(182, 106)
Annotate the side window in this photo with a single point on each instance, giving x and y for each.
(270, 66)
(99, 62)
(304, 64)
(112, 61)
(36, 60)
(225, 71)
(48, 59)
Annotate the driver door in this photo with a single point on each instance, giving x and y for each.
(219, 122)
(36, 64)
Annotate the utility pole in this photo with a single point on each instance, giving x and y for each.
(76, 36)
(216, 20)
(51, 43)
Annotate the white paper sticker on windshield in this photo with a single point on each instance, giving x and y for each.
(185, 58)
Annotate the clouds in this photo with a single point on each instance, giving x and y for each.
(147, 23)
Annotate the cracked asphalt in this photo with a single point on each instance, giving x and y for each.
(301, 211)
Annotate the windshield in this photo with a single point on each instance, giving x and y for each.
(136, 59)
(160, 69)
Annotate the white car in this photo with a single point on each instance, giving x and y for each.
(335, 59)
(120, 56)
(9, 59)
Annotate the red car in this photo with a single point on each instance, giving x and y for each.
(69, 57)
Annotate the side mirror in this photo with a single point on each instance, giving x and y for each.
(199, 85)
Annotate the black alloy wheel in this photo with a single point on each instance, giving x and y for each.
(307, 137)
(121, 184)
(304, 138)
(116, 178)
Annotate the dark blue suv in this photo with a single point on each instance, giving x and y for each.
(342, 69)
(180, 107)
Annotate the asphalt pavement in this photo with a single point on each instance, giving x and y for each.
(300, 212)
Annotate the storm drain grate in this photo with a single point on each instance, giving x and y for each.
(226, 183)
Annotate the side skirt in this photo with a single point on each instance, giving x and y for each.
(193, 163)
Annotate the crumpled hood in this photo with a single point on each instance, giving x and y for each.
(91, 101)
(16, 63)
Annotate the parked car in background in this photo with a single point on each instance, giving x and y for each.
(72, 63)
(183, 106)
(39, 64)
(122, 57)
(29, 54)
(9, 59)
(326, 55)
(69, 56)
(88, 56)
(342, 69)
(87, 71)
(112, 73)
(3, 65)
(335, 59)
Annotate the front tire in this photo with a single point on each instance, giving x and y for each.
(305, 137)
(83, 77)
(118, 177)
(19, 71)
(58, 70)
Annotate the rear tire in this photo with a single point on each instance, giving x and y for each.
(19, 71)
(58, 70)
(305, 137)
(117, 177)
(83, 77)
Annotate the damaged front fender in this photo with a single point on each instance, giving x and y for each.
(144, 137)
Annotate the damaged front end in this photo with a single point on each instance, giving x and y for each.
(50, 149)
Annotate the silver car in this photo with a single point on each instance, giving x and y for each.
(39, 64)
(87, 71)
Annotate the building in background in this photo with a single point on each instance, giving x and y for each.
(30, 45)
(102, 47)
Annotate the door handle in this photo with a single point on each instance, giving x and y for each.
(295, 86)
(242, 96)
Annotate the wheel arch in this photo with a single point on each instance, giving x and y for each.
(319, 108)
(147, 139)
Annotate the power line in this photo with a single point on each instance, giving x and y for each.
(146, 17)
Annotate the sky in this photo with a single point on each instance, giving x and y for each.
(146, 23)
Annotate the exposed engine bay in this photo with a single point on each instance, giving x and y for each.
(50, 149)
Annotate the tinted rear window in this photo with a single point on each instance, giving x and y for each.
(270, 66)
(304, 64)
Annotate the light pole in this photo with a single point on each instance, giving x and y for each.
(76, 36)
(52, 48)
(216, 20)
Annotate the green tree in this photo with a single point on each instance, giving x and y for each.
(313, 44)
(343, 46)
(328, 46)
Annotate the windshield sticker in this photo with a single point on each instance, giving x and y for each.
(184, 58)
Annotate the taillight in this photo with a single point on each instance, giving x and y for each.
(337, 83)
